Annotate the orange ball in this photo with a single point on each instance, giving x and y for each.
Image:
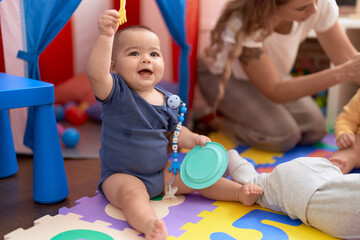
(83, 106)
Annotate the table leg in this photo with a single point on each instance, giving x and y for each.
(8, 161)
(50, 183)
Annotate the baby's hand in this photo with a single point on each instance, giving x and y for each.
(345, 140)
(109, 22)
(201, 139)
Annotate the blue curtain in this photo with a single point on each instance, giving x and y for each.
(43, 20)
(174, 12)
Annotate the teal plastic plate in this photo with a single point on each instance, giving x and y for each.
(202, 167)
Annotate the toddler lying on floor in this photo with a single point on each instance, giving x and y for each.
(311, 189)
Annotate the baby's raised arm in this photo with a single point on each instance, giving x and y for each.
(98, 68)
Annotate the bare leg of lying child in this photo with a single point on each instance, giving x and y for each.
(227, 190)
(349, 158)
(223, 190)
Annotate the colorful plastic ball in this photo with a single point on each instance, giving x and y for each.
(307, 71)
(60, 129)
(59, 112)
(94, 111)
(75, 116)
(71, 103)
(300, 72)
(70, 137)
(83, 106)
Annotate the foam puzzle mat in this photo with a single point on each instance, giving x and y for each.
(188, 217)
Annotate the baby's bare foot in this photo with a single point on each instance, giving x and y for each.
(339, 162)
(250, 193)
(156, 230)
(347, 159)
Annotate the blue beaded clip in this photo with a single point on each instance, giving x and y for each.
(174, 102)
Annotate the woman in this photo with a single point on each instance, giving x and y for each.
(245, 72)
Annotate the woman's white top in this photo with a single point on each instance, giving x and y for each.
(282, 48)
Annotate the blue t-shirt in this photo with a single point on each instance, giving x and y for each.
(133, 135)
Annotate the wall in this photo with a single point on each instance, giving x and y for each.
(210, 11)
(150, 15)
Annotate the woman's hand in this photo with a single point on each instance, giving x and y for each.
(352, 69)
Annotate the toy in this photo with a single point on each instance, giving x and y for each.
(203, 166)
(122, 12)
(60, 129)
(70, 137)
(75, 116)
(94, 111)
(59, 112)
(175, 102)
(83, 106)
(68, 104)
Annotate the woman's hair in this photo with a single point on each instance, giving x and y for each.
(256, 16)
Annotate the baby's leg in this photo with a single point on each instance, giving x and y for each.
(347, 159)
(240, 170)
(335, 207)
(227, 190)
(129, 193)
(222, 190)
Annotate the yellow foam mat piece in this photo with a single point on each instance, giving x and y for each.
(260, 156)
(218, 225)
(224, 140)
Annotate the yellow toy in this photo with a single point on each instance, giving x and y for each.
(122, 12)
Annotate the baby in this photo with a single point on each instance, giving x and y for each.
(347, 136)
(137, 119)
(311, 189)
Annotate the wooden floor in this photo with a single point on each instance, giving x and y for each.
(17, 207)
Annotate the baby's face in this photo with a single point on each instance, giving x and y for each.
(139, 59)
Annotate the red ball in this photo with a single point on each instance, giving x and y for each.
(75, 116)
